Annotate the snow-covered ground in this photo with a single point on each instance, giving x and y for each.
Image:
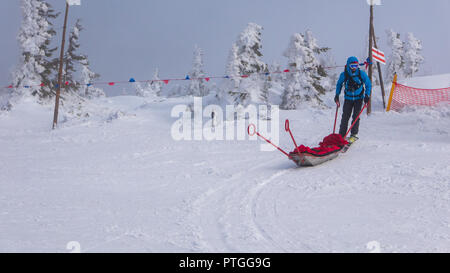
(119, 182)
(428, 82)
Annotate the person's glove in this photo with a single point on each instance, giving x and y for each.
(366, 99)
(336, 100)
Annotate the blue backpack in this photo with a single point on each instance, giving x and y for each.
(352, 85)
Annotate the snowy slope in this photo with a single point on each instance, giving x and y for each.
(428, 82)
(120, 183)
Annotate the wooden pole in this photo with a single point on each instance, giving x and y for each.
(380, 75)
(369, 106)
(65, 73)
(61, 57)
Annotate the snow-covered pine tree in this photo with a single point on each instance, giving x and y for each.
(74, 60)
(315, 65)
(395, 62)
(140, 91)
(151, 88)
(71, 58)
(197, 87)
(87, 89)
(292, 95)
(275, 80)
(266, 86)
(156, 85)
(412, 55)
(35, 73)
(231, 84)
(299, 84)
(245, 57)
(276, 73)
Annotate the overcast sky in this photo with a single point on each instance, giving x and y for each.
(131, 38)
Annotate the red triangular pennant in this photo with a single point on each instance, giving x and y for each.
(244, 76)
(66, 83)
(42, 84)
(207, 79)
(166, 81)
(286, 70)
(111, 83)
(10, 86)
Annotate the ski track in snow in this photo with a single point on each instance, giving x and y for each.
(254, 194)
(123, 184)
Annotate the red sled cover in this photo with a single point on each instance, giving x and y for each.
(330, 144)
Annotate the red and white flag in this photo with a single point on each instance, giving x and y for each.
(378, 55)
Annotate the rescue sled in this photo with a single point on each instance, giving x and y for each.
(304, 159)
(330, 147)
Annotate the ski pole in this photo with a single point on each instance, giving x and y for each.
(258, 134)
(335, 119)
(357, 118)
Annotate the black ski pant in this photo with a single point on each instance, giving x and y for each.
(349, 107)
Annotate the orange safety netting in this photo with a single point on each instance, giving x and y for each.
(405, 95)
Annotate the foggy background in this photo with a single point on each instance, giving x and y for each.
(131, 38)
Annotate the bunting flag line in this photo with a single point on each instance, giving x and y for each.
(188, 78)
(367, 62)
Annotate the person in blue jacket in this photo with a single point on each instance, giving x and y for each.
(354, 80)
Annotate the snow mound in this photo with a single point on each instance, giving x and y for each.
(428, 82)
